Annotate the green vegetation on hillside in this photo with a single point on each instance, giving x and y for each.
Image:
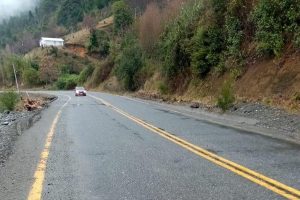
(9, 100)
(122, 16)
(277, 23)
(99, 42)
(129, 62)
(51, 18)
(176, 43)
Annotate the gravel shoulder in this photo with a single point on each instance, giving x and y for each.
(13, 124)
(270, 118)
(252, 117)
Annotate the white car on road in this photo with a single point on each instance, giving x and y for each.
(80, 91)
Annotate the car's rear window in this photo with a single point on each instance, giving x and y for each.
(79, 88)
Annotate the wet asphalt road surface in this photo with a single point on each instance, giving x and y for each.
(96, 153)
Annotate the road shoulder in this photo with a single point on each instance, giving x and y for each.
(19, 169)
(255, 124)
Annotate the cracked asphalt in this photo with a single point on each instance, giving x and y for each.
(96, 153)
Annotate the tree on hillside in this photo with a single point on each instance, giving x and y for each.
(48, 72)
(99, 43)
(150, 27)
(122, 16)
(47, 6)
(129, 63)
(93, 41)
(70, 13)
(7, 61)
(30, 77)
(101, 3)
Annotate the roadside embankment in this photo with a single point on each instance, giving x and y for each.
(13, 124)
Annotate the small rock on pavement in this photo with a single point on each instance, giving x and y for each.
(195, 105)
(5, 123)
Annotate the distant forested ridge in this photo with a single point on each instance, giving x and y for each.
(50, 17)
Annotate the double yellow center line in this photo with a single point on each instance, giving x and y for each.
(260, 179)
(39, 175)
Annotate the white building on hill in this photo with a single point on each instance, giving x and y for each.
(48, 42)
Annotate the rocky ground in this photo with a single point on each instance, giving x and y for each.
(269, 117)
(12, 124)
(266, 116)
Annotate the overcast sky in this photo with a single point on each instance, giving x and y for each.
(14, 7)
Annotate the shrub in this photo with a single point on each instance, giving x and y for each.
(70, 13)
(8, 61)
(206, 49)
(61, 83)
(85, 74)
(53, 51)
(31, 77)
(101, 3)
(101, 73)
(66, 69)
(99, 42)
(236, 21)
(163, 88)
(122, 16)
(150, 28)
(234, 36)
(226, 97)
(147, 71)
(296, 40)
(277, 23)
(9, 100)
(34, 64)
(67, 82)
(128, 63)
(219, 10)
(296, 96)
(175, 40)
(48, 72)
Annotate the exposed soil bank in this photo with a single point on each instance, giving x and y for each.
(13, 124)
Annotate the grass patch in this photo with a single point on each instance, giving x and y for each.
(163, 88)
(9, 100)
(226, 97)
(67, 82)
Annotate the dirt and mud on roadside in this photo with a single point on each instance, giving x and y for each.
(13, 124)
(285, 124)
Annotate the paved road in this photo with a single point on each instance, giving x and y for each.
(109, 147)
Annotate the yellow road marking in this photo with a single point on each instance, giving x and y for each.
(39, 175)
(260, 179)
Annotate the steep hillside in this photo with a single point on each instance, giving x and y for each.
(193, 56)
(272, 82)
(64, 68)
(76, 42)
(210, 51)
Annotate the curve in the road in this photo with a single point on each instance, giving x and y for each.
(260, 179)
(39, 175)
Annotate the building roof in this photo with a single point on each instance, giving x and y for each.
(52, 39)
